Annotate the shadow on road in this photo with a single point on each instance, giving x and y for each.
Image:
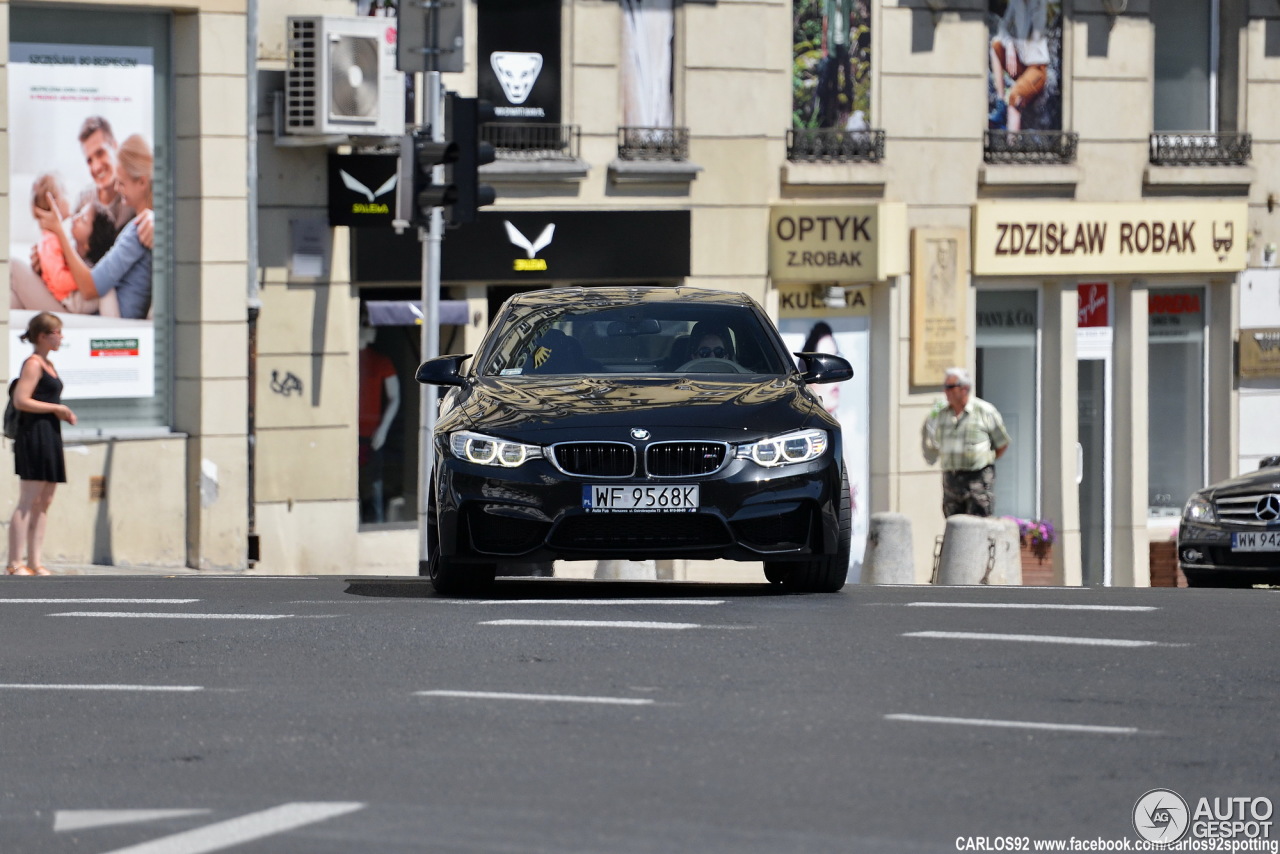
(564, 588)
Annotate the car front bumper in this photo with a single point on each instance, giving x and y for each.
(535, 513)
(1207, 549)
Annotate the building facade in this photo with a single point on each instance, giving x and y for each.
(1073, 199)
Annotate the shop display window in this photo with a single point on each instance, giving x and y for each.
(1008, 376)
(1176, 450)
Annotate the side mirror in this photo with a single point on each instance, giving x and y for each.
(442, 370)
(824, 368)
(1269, 462)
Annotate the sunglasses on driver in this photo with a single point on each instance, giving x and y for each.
(710, 352)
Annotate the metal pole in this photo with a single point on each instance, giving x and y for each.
(430, 238)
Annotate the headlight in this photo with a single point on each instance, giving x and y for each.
(488, 451)
(798, 447)
(1199, 509)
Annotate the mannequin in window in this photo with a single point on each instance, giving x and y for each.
(379, 403)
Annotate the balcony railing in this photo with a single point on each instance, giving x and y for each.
(1029, 146)
(641, 143)
(1201, 148)
(832, 145)
(529, 141)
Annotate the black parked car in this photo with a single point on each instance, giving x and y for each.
(1230, 531)
(635, 423)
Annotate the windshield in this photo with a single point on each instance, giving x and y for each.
(645, 338)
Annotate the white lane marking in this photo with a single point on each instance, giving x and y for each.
(36, 686)
(65, 820)
(142, 615)
(1039, 606)
(1107, 730)
(594, 624)
(97, 601)
(593, 602)
(537, 698)
(1038, 639)
(247, 828)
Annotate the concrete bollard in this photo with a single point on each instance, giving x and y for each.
(1008, 564)
(966, 551)
(888, 559)
(627, 570)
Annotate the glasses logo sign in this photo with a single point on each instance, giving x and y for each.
(373, 206)
(530, 263)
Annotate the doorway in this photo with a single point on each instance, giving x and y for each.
(1094, 419)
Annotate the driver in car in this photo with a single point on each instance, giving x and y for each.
(711, 342)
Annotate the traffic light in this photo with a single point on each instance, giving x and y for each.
(419, 155)
(465, 117)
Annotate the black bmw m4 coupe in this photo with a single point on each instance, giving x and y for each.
(635, 423)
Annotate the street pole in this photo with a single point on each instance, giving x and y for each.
(431, 238)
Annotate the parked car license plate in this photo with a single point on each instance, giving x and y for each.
(1255, 541)
(629, 498)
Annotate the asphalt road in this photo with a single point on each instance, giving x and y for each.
(325, 715)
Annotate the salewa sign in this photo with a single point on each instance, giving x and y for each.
(1070, 238)
(362, 189)
(531, 262)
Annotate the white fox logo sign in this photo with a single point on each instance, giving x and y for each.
(517, 72)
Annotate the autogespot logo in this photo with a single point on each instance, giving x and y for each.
(1161, 816)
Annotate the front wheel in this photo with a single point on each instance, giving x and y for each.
(449, 577)
(825, 574)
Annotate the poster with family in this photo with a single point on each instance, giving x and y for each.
(80, 211)
(810, 322)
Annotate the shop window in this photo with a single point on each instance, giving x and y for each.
(1176, 450)
(1008, 377)
(107, 78)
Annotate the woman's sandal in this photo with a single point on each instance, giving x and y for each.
(41, 570)
(19, 569)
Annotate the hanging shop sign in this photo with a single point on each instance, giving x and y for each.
(939, 303)
(518, 59)
(362, 189)
(837, 243)
(1260, 353)
(1067, 238)
(537, 247)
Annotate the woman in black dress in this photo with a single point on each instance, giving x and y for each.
(37, 452)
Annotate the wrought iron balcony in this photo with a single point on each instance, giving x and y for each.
(531, 141)
(1201, 148)
(641, 143)
(1029, 146)
(833, 145)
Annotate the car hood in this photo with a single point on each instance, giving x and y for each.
(1262, 480)
(668, 408)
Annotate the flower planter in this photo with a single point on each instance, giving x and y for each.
(1037, 564)
(1164, 566)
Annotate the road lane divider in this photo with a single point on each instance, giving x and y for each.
(536, 698)
(1039, 606)
(985, 722)
(595, 624)
(242, 830)
(160, 615)
(100, 601)
(1039, 639)
(31, 686)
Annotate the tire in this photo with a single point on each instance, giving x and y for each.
(825, 574)
(448, 577)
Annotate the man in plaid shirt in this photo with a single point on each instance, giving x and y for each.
(968, 436)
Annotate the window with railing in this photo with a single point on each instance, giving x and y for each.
(653, 143)
(532, 141)
(1030, 146)
(834, 145)
(1198, 148)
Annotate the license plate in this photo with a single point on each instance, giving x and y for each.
(1255, 541)
(629, 498)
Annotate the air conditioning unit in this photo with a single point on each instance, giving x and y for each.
(341, 77)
